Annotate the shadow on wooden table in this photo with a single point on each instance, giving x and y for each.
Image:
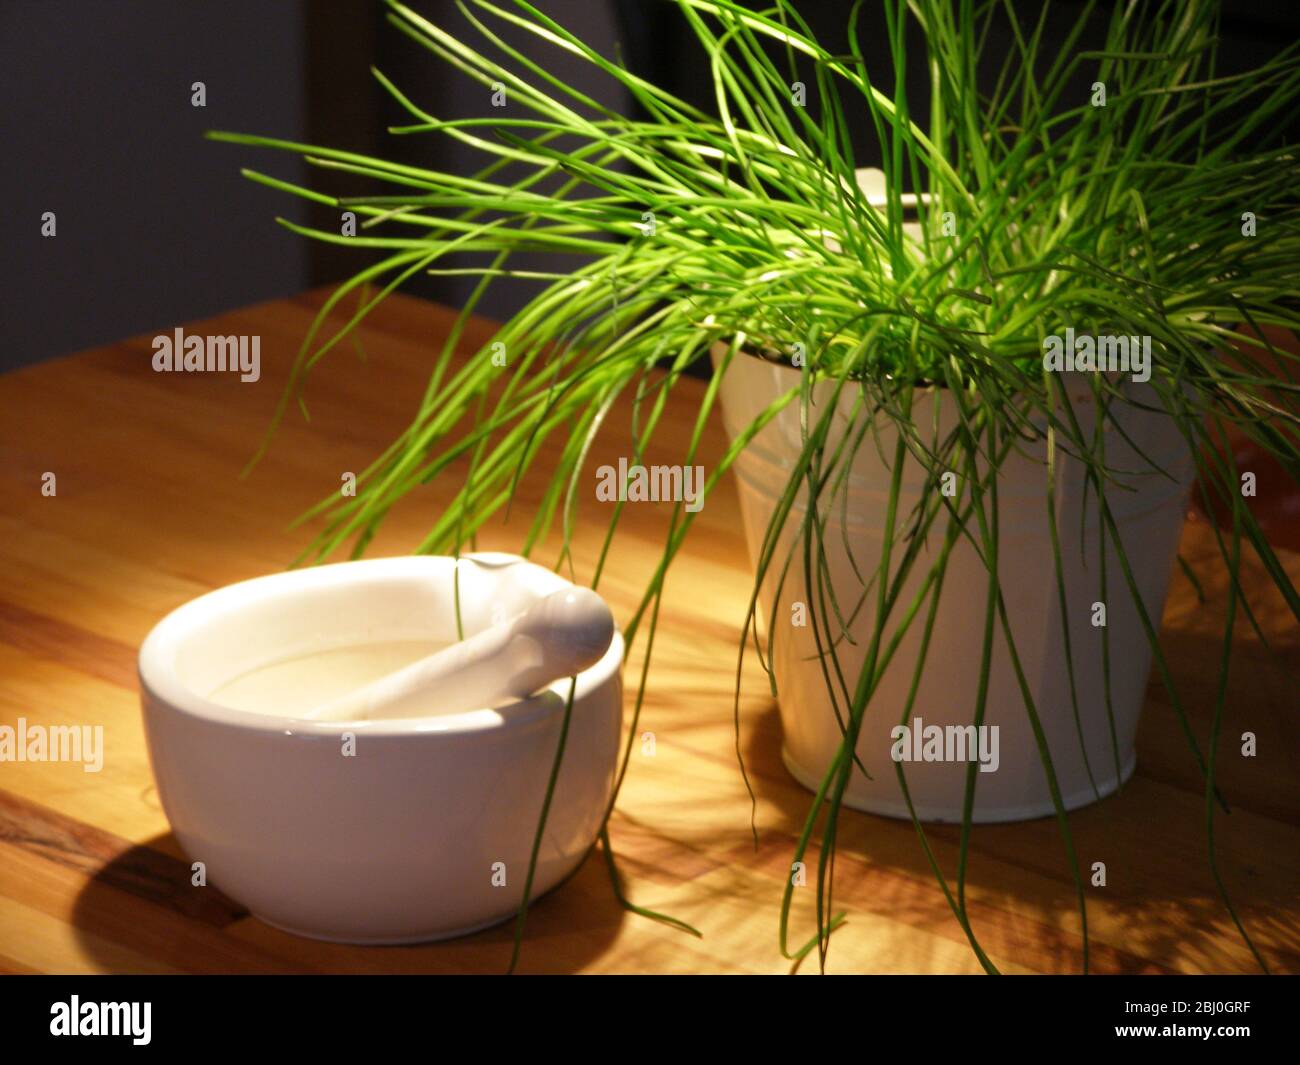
(1159, 910)
(140, 913)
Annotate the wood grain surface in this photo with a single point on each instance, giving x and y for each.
(151, 511)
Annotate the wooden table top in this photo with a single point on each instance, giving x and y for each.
(150, 511)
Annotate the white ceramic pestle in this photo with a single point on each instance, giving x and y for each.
(558, 636)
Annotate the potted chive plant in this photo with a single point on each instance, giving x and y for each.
(967, 393)
(1069, 640)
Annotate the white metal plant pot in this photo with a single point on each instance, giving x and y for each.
(1011, 781)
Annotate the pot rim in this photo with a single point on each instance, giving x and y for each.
(1074, 384)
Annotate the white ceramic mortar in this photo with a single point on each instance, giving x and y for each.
(409, 838)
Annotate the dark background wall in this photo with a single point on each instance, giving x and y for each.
(155, 225)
